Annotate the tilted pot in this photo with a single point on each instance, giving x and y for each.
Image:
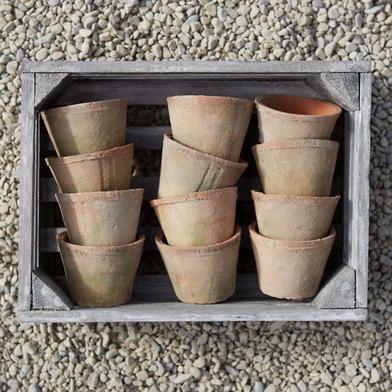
(100, 276)
(87, 127)
(294, 218)
(199, 218)
(292, 117)
(202, 275)
(101, 218)
(290, 269)
(185, 170)
(296, 167)
(99, 171)
(214, 125)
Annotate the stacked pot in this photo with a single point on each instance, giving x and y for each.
(196, 202)
(100, 249)
(296, 160)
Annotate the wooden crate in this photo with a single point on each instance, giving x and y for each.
(343, 293)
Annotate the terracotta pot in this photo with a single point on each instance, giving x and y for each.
(291, 117)
(296, 167)
(294, 218)
(290, 269)
(185, 170)
(101, 218)
(100, 276)
(214, 125)
(87, 127)
(199, 218)
(107, 170)
(202, 275)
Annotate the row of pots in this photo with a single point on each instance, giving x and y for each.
(293, 237)
(100, 249)
(196, 203)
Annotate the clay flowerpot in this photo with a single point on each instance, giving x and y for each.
(202, 275)
(87, 127)
(100, 276)
(294, 218)
(185, 170)
(290, 117)
(101, 218)
(296, 167)
(214, 125)
(199, 218)
(99, 171)
(290, 269)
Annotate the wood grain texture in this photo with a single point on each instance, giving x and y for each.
(27, 210)
(197, 67)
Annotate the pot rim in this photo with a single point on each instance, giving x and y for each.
(289, 244)
(199, 250)
(63, 240)
(209, 99)
(94, 106)
(135, 193)
(168, 138)
(296, 116)
(193, 196)
(57, 161)
(310, 199)
(288, 144)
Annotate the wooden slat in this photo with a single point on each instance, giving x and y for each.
(148, 68)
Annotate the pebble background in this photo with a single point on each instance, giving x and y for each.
(208, 356)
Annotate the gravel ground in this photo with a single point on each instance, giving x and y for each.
(222, 357)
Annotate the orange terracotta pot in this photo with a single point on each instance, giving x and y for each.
(101, 218)
(100, 276)
(87, 127)
(202, 275)
(199, 218)
(294, 218)
(292, 117)
(214, 125)
(185, 170)
(99, 171)
(290, 269)
(296, 167)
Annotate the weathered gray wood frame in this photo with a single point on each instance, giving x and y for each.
(347, 83)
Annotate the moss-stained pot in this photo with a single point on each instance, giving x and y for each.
(185, 170)
(292, 117)
(214, 125)
(199, 218)
(290, 269)
(99, 171)
(101, 218)
(202, 275)
(87, 127)
(296, 167)
(100, 276)
(295, 218)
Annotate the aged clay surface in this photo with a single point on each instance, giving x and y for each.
(202, 275)
(101, 218)
(290, 269)
(214, 125)
(185, 170)
(292, 117)
(198, 219)
(100, 276)
(87, 127)
(296, 167)
(100, 171)
(296, 218)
